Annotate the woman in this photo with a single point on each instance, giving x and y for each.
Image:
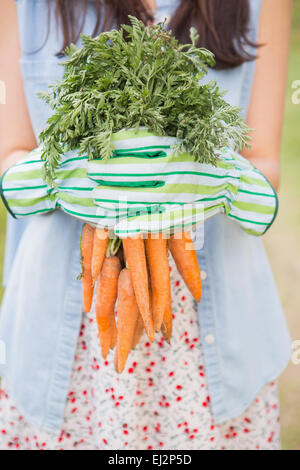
(211, 389)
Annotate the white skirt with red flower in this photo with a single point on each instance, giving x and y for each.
(159, 402)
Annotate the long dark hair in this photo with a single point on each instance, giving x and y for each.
(223, 25)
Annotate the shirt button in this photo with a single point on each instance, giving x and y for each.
(203, 275)
(209, 339)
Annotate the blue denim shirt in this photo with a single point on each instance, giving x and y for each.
(244, 335)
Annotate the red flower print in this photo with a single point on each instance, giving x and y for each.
(85, 408)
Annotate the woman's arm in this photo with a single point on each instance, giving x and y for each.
(266, 109)
(16, 134)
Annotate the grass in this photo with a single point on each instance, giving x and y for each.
(282, 244)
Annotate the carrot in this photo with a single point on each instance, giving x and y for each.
(87, 241)
(106, 295)
(99, 250)
(127, 316)
(120, 255)
(157, 258)
(134, 249)
(116, 364)
(114, 331)
(138, 331)
(167, 324)
(186, 262)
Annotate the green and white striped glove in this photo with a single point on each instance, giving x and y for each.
(151, 189)
(24, 191)
(145, 187)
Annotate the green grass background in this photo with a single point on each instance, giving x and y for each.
(283, 246)
(282, 243)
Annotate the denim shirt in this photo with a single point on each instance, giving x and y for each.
(243, 331)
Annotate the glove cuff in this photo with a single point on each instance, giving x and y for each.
(23, 190)
(255, 205)
(3, 197)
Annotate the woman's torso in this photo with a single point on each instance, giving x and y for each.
(243, 331)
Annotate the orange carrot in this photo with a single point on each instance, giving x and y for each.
(106, 295)
(134, 249)
(87, 241)
(185, 257)
(157, 258)
(99, 250)
(116, 364)
(120, 255)
(167, 324)
(114, 331)
(138, 331)
(127, 316)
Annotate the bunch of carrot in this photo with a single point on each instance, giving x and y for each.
(134, 274)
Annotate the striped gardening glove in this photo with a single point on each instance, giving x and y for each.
(144, 187)
(148, 188)
(24, 191)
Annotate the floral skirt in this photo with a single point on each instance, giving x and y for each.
(159, 402)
